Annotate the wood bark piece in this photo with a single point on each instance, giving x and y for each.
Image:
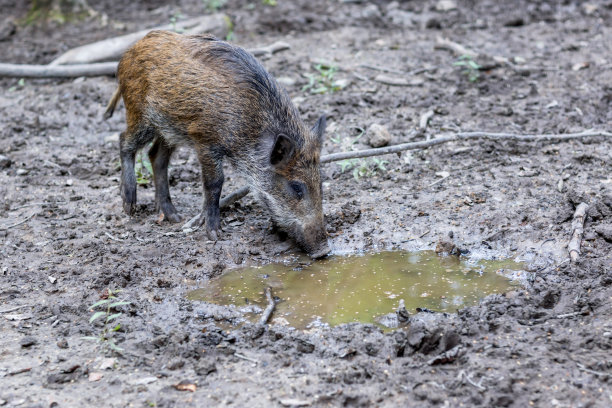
(56, 71)
(113, 48)
(96, 69)
(577, 230)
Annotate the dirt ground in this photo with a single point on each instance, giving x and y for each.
(548, 344)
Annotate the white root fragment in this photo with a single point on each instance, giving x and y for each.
(577, 230)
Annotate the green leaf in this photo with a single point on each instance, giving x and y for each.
(91, 338)
(120, 303)
(473, 64)
(113, 346)
(113, 316)
(96, 315)
(100, 302)
(117, 327)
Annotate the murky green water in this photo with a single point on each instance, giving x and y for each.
(361, 288)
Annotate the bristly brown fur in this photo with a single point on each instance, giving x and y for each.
(218, 98)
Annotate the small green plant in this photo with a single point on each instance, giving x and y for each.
(143, 168)
(173, 20)
(471, 68)
(230, 28)
(271, 3)
(362, 167)
(20, 84)
(323, 81)
(213, 5)
(109, 317)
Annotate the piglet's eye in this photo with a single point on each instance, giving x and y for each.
(297, 188)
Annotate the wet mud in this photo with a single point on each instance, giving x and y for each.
(64, 240)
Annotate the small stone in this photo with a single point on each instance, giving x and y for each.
(69, 182)
(63, 344)
(52, 279)
(605, 231)
(446, 5)
(205, 368)
(28, 341)
(378, 135)
(5, 162)
(95, 376)
(371, 11)
(107, 363)
(286, 81)
(7, 29)
(176, 364)
(21, 172)
(112, 138)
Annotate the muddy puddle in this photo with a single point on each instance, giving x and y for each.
(361, 288)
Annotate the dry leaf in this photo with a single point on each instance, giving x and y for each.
(185, 386)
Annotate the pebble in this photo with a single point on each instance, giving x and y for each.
(5, 162)
(63, 344)
(378, 135)
(28, 341)
(286, 81)
(21, 172)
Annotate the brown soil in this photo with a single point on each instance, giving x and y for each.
(546, 345)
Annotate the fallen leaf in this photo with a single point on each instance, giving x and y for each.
(95, 376)
(185, 386)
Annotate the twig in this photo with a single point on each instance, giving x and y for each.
(12, 309)
(234, 196)
(460, 136)
(383, 69)
(269, 309)
(566, 315)
(438, 180)
(588, 370)
(270, 49)
(28, 205)
(94, 69)
(577, 230)
(66, 71)
(242, 356)
(18, 223)
(112, 48)
(433, 142)
(112, 237)
(463, 375)
(19, 371)
(456, 48)
(425, 119)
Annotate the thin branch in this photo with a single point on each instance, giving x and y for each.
(94, 69)
(577, 230)
(234, 196)
(269, 309)
(242, 356)
(238, 194)
(57, 71)
(18, 223)
(588, 370)
(460, 136)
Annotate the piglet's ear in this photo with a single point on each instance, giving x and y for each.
(319, 129)
(282, 151)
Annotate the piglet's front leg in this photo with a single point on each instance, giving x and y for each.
(212, 181)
